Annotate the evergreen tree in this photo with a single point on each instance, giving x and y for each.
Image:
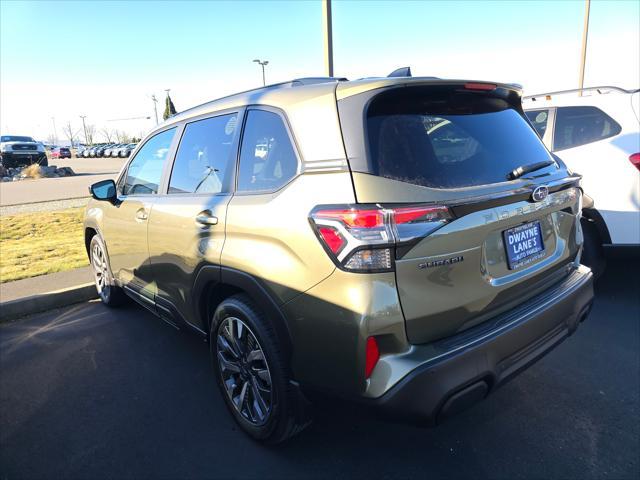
(169, 109)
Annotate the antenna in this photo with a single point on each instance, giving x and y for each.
(401, 72)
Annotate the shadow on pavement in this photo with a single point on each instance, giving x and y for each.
(88, 392)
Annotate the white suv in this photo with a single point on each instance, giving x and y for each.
(596, 132)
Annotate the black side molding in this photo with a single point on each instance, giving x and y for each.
(254, 287)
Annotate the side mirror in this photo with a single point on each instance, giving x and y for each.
(104, 190)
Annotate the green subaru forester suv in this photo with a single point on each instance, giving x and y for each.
(408, 243)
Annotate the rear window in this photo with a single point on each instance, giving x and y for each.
(448, 139)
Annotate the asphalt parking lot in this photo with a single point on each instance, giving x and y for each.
(87, 392)
(88, 171)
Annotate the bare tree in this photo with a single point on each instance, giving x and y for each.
(67, 129)
(51, 139)
(91, 131)
(107, 134)
(122, 137)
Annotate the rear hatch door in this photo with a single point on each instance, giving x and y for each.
(510, 232)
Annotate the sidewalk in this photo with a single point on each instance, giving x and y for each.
(38, 294)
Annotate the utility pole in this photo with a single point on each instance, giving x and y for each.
(85, 128)
(55, 131)
(155, 106)
(583, 55)
(328, 37)
(262, 64)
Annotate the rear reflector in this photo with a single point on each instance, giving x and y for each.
(480, 86)
(332, 239)
(635, 160)
(372, 356)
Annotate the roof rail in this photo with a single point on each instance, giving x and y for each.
(291, 83)
(601, 90)
(314, 80)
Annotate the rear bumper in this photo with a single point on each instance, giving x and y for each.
(471, 364)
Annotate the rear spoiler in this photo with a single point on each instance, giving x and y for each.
(355, 87)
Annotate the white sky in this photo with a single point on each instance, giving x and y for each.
(28, 104)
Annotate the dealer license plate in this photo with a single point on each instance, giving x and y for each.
(523, 244)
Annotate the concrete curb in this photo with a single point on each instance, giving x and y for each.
(22, 307)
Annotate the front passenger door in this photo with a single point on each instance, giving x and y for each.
(125, 225)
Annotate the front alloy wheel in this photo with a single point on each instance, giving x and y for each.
(109, 293)
(99, 264)
(244, 371)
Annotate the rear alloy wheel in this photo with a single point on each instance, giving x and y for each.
(253, 374)
(244, 371)
(110, 294)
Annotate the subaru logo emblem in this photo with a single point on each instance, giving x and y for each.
(540, 193)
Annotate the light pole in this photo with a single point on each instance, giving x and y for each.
(85, 128)
(328, 37)
(155, 106)
(55, 131)
(583, 54)
(262, 63)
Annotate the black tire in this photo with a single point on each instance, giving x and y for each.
(283, 416)
(593, 252)
(110, 294)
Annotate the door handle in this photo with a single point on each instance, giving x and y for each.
(206, 218)
(142, 215)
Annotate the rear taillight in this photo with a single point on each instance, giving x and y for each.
(372, 355)
(635, 160)
(362, 238)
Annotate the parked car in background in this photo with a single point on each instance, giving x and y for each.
(61, 152)
(78, 150)
(126, 150)
(101, 149)
(596, 132)
(408, 243)
(108, 149)
(93, 151)
(112, 150)
(85, 151)
(18, 151)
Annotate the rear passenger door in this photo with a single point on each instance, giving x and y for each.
(263, 237)
(187, 224)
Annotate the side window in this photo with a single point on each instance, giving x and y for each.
(577, 126)
(267, 158)
(204, 163)
(538, 119)
(145, 170)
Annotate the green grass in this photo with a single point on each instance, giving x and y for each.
(33, 244)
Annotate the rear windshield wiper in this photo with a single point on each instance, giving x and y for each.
(532, 167)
